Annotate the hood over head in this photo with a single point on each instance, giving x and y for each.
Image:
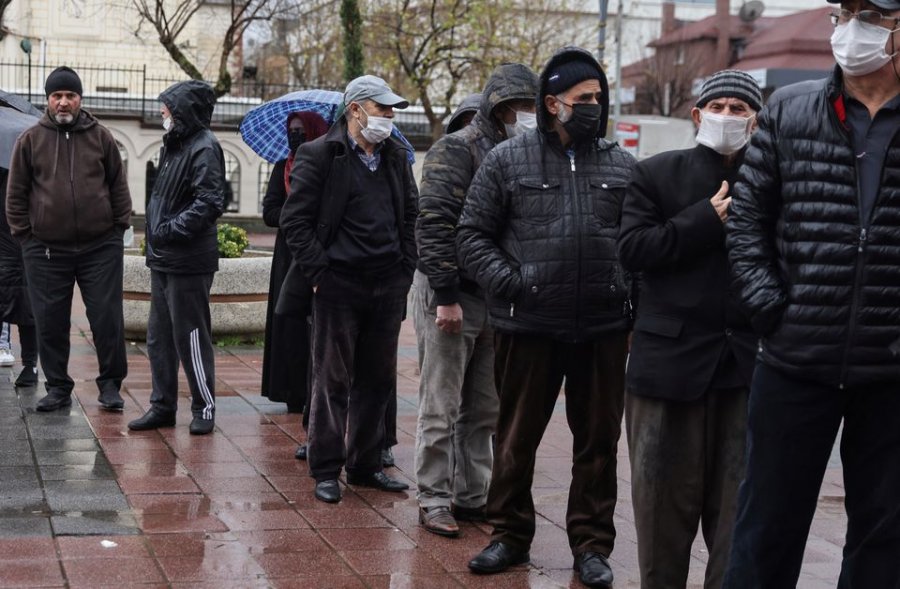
(469, 104)
(191, 103)
(510, 81)
(561, 58)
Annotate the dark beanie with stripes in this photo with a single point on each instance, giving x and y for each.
(731, 84)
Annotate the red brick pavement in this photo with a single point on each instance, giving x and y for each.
(235, 509)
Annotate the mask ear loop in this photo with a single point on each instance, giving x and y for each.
(894, 51)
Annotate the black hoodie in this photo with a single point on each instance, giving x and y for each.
(538, 230)
(189, 193)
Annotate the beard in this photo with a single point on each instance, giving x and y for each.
(65, 118)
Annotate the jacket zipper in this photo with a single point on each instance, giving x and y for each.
(72, 186)
(854, 305)
(578, 221)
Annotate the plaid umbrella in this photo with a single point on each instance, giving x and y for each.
(264, 128)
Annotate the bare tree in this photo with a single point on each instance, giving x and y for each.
(4, 4)
(170, 20)
(666, 85)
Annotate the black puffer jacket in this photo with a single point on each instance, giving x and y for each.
(448, 170)
(538, 230)
(189, 193)
(821, 284)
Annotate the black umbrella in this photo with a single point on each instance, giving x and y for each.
(12, 123)
(20, 104)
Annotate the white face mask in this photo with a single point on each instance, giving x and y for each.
(859, 47)
(377, 129)
(723, 133)
(167, 124)
(524, 122)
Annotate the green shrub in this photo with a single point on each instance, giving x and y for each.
(232, 241)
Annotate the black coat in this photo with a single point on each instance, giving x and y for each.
(14, 304)
(189, 192)
(320, 187)
(821, 284)
(538, 232)
(286, 350)
(687, 316)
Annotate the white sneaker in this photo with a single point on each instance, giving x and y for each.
(6, 358)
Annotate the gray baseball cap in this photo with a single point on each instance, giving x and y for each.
(373, 88)
(886, 4)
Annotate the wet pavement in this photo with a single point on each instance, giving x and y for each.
(84, 502)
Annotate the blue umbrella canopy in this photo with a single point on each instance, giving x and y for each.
(264, 128)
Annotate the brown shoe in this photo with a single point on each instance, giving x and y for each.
(438, 520)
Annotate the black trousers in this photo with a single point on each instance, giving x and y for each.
(51, 276)
(356, 326)
(529, 371)
(791, 431)
(180, 329)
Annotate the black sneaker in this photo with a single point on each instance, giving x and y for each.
(111, 400)
(201, 427)
(54, 401)
(28, 377)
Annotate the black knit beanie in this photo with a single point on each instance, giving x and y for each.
(731, 84)
(569, 73)
(63, 79)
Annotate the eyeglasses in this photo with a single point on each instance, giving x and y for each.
(869, 17)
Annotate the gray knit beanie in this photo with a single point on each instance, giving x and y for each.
(731, 84)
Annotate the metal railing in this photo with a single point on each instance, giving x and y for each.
(130, 91)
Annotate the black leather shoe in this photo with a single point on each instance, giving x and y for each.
(378, 480)
(300, 454)
(28, 377)
(151, 420)
(54, 401)
(111, 400)
(328, 491)
(593, 570)
(387, 458)
(201, 427)
(469, 514)
(496, 558)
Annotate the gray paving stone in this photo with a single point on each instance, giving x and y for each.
(53, 419)
(73, 457)
(11, 418)
(77, 472)
(44, 432)
(26, 525)
(88, 444)
(94, 524)
(99, 495)
(17, 473)
(23, 502)
(16, 458)
(13, 432)
(20, 484)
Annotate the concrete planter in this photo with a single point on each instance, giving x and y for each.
(237, 302)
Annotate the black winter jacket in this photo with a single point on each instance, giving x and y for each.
(189, 193)
(821, 284)
(320, 187)
(538, 231)
(448, 170)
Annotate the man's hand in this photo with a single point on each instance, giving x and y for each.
(720, 201)
(449, 318)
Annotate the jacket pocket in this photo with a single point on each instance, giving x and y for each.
(605, 198)
(659, 325)
(536, 202)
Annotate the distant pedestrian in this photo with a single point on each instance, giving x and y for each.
(464, 113)
(814, 245)
(349, 222)
(693, 350)
(458, 401)
(183, 256)
(68, 204)
(538, 233)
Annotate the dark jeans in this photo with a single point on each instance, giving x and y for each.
(356, 326)
(687, 462)
(792, 427)
(51, 276)
(179, 329)
(529, 371)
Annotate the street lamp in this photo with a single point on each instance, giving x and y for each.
(26, 47)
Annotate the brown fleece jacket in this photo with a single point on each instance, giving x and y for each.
(67, 184)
